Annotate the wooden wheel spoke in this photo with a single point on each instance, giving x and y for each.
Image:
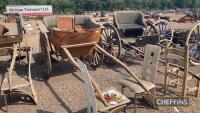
(114, 50)
(97, 58)
(160, 29)
(196, 37)
(148, 30)
(168, 34)
(107, 33)
(104, 34)
(198, 30)
(165, 29)
(198, 34)
(97, 55)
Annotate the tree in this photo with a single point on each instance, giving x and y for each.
(79, 6)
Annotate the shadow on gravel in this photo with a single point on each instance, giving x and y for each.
(62, 103)
(59, 68)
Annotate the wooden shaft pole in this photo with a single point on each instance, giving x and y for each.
(92, 80)
(12, 66)
(125, 67)
(132, 46)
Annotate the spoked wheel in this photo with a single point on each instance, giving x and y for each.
(193, 41)
(165, 31)
(111, 41)
(95, 59)
(45, 55)
(150, 29)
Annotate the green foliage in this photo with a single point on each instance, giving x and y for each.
(78, 6)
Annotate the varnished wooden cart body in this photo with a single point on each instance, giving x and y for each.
(78, 34)
(79, 43)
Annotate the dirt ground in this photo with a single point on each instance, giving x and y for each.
(64, 92)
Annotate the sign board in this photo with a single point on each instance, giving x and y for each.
(30, 10)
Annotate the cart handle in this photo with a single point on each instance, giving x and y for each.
(92, 80)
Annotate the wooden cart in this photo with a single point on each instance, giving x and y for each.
(71, 37)
(74, 34)
(188, 34)
(130, 31)
(10, 40)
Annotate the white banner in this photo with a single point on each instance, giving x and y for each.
(30, 9)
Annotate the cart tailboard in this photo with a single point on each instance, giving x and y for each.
(63, 38)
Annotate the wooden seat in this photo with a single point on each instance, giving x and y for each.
(129, 19)
(129, 23)
(179, 58)
(149, 71)
(134, 86)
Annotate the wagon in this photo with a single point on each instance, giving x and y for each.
(11, 35)
(130, 31)
(74, 37)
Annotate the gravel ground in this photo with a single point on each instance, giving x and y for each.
(64, 93)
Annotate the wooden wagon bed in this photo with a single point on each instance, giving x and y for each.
(78, 34)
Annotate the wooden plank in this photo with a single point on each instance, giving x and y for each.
(89, 90)
(12, 66)
(186, 64)
(151, 58)
(173, 75)
(198, 85)
(192, 89)
(42, 27)
(63, 38)
(29, 55)
(176, 61)
(78, 45)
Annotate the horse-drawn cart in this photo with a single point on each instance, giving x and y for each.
(130, 31)
(74, 37)
(10, 38)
